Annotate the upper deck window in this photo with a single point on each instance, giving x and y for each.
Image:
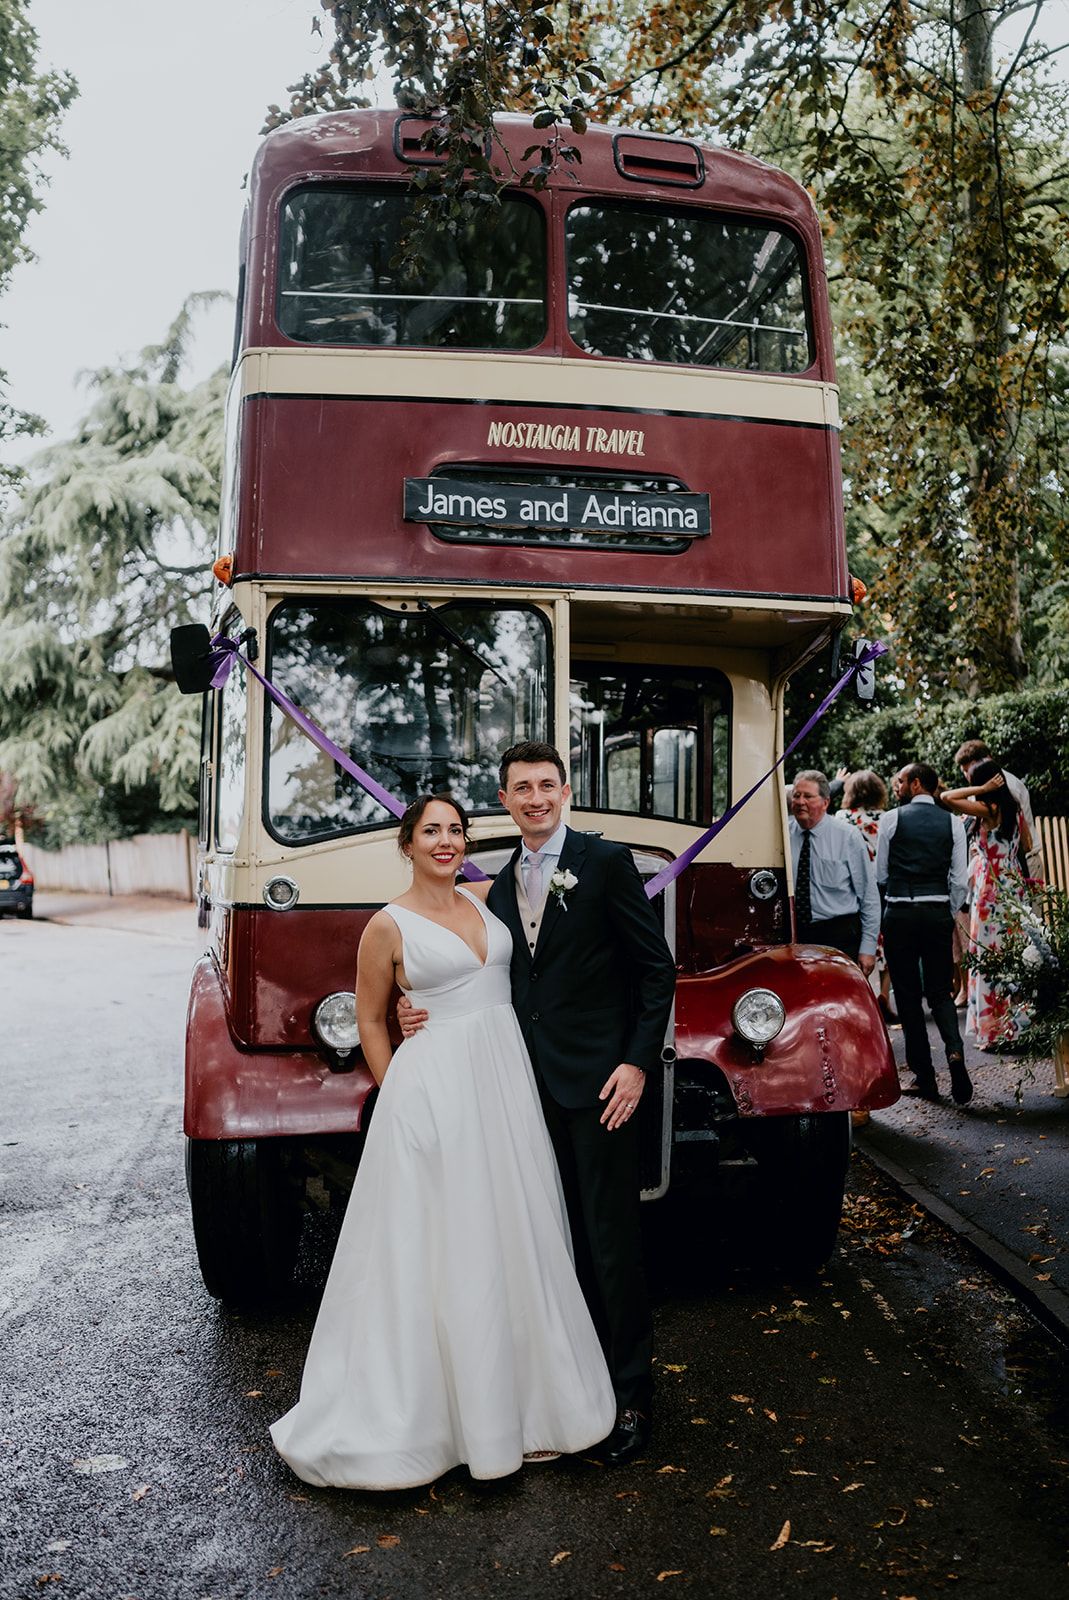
(687, 286)
(340, 280)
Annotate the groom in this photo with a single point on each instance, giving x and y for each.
(592, 986)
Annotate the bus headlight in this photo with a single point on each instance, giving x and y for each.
(334, 1022)
(757, 1016)
(281, 893)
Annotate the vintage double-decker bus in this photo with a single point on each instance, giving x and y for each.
(572, 474)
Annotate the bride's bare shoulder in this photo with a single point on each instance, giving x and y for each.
(480, 887)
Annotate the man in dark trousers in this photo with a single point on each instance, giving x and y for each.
(592, 985)
(921, 865)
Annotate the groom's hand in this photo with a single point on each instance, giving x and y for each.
(623, 1091)
(410, 1019)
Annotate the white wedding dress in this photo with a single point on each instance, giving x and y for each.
(452, 1328)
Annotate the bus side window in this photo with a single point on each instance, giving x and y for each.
(230, 768)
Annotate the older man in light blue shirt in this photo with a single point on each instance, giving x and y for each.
(836, 901)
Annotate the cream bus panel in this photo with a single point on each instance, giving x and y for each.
(539, 380)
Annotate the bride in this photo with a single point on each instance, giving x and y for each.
(452, 1328)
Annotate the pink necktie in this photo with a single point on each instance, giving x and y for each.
(532, 879)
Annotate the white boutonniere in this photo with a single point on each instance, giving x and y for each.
(561, 884)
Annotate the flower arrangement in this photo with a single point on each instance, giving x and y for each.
(561, 884)
(1030, 963)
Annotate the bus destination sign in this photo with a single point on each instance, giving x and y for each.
(586, 510)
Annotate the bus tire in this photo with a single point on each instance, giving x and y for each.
(802, 1163)
(247, 1217)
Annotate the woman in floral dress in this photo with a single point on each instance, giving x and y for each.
(995, 1017)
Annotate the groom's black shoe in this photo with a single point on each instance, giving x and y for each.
(627, 1440)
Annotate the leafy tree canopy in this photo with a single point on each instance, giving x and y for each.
(109, 547)
(31, 106)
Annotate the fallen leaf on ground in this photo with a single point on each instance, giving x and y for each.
(139, 1494)
(800, 1472)
(561, 1555)
(254, 1394)
(668, 1367)
(671, 1572)
(617, 1566)
(50, 1577)
(782, 1537)
(718, 1533)
(301, 1498)
(850, 1487)
(699, 1422)
(771, 1415)
(671, 1469)
(272, 1372)
(100, 1464)
(628, 1494)
(274, 1572)
(742, 1399)
(357, 1550)
(388, 1541)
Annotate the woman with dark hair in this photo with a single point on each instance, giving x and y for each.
(452, 1328)
(994, 1016)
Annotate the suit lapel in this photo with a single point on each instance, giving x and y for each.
(570, 857)
(509, 904)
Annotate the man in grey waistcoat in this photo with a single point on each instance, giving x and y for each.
(922, 869)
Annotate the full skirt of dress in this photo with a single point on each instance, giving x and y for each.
(452, 1328)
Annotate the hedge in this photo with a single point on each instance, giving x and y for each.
(1027, 731)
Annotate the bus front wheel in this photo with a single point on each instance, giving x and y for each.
(801, 1162)
(247, 1215)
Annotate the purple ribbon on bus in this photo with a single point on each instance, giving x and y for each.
(669, 873)
(226, 651)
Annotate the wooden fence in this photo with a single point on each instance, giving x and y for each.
(150, 863)
(1054, 837)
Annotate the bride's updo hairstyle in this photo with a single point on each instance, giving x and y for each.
(410, 819)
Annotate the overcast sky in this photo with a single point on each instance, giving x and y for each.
(147, 207)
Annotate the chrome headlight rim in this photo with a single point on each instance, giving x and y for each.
(281, 880)
(747, 1028)
(333, 1031)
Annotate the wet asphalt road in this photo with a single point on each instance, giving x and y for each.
(897, 1428)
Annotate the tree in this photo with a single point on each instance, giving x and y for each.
(31, 106)
(109, 547)
(942, 172)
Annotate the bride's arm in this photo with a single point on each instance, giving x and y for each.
(376, 964)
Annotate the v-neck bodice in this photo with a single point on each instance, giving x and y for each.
(446, 975)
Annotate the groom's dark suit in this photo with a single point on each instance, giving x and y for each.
(595, 991)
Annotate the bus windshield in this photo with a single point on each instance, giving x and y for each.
(424, 699)
(341, 280)
(648, 285)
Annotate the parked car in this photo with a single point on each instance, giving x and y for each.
(16, 883)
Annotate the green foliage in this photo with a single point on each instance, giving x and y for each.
(31, 106)
(1030, 962)
(1027, 731)
(110, 547)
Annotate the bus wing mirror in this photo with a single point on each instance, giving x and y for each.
(865, 677)
(191, 658)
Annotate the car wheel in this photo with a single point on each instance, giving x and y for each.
(247, 1214)
(25, 912)
(801, 1165)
